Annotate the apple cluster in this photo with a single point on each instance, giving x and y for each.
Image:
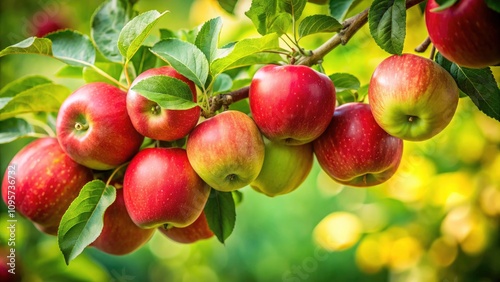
(293, 117)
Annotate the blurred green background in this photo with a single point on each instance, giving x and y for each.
(437, 219)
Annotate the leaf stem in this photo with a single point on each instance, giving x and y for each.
(112, 79)
(115, 171)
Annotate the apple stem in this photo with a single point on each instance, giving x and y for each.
(79, 126)
(115, 171)
(424, 45)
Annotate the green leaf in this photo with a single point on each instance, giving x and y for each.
(19, 85)
(144, 59)
(478, 84)
(167, 33)
(107, 23)
(207, 39)
(294, 7)
(494, 5)
(168, 92)
(112, 69)
(267, 15)
(244, 49)
(387, 21)
(220, 211)
(339, 8)
(136, 31)
(228, 5)
(237, 197)
(444, 4)
(82, 223)
(185, 57)
(31, 45)
(318, 23)
(46, 97)
(70, 72)
(222, 83)
(281, 23)
(344, 81)
(72, 47)
(14, 128)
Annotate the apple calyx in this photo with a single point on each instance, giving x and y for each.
(156, 110)
(81, 127)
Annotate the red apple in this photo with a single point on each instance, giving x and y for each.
(196, 231)
(151, 120)
(94, 129)
(354, 150)
(291, 104)
(120, 235)
(466, 33)
(412, 97)
(161, 188)
(285, 168)
(227, 150)
(41, 181)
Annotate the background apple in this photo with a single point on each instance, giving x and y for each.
(285, 168)
(43, 182)
(355, 151)
(160, 187)
(466, 33)
(196, 231)
(151, 120)
(94, 129)
(227, 150)
(120, 235)
(412, 97)
(291, 104)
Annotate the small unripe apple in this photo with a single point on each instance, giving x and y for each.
(151, 120)
(94, 129)
(198, 230)
(291, 104)
(120, 235)
(41, 181)
(285, 168)
(161, 188)
(354, 150)
(467, 33)
(412, 97)
(227, 150)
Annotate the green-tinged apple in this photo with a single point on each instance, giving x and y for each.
(412, 97)
(94, 129)
(41, 181)
(161, 188)
(291, 104)
(227, 150)
(196, 231)
(151, 120)
(467, 33)
(355, 151)
(285, 168)
(119, 234)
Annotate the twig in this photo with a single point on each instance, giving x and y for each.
(423, 46)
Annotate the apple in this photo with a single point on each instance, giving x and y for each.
(285, 168)
(467, 33)
(161, 188)
(120, 235)
(196, 231)
(41, 181)
(412, 97)
(355, 151)
(227, 150)
(151, 120)
(291, 104)
(94, 129)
